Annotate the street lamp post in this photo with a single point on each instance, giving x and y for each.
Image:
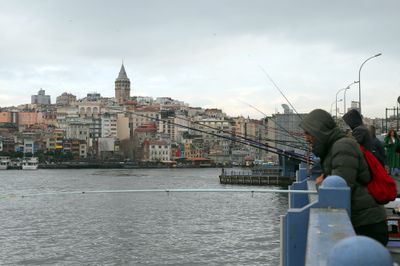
(336, 101)
(359, 79)
(344, 95)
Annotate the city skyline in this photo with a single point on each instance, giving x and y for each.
(206, 54)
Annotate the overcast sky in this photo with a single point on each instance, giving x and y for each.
(207, 53)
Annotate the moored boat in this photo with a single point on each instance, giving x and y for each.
(31, 163)
(4, 162)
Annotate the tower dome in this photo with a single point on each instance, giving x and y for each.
(122, 86)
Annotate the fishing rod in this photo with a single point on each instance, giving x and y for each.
(239, 135)
(248, 142)
(168, 191)
(273, 120)
(308, 154)
(251, 143)
(280, 91)
(246, 139)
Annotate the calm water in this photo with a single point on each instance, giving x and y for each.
(135, 229)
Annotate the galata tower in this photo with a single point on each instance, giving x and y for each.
(122, 86)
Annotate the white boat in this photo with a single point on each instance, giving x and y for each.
(31, 163)
(4, 162)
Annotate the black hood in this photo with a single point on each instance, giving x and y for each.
(320, 124)
(353, 119)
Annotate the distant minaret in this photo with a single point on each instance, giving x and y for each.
(122, 86)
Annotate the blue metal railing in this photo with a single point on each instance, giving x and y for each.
(313, 232)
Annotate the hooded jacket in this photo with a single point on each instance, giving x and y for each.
(360, 132)
(377, 147)
(340, 155)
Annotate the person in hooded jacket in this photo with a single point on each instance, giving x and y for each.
(392, 143)
(341, 155)
(359, 131)
(377, 147)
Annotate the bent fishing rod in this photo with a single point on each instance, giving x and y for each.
(288, 134)
(247, 142)
(280, 91)
(252, 137)
(251, 143)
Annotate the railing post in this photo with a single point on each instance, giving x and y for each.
(333, 193)
(299, 200)
(359, 250)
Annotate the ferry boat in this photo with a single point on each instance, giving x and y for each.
(31, 163)
(4, 162)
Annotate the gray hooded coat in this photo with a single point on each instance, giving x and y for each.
(360, 132)
(340, 155)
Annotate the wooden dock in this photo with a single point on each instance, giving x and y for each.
(255, 180)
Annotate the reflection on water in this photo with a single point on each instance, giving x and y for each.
(136, 229)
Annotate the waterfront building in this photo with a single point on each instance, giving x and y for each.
(89, 109)
(47, 118)
(29, 146)
(109, 125)
(144, 115)
(144, 100)
(246, 129)
(73, 146)
(145, 132)
(179, 131)
(93, 97)
(122, 87)
(123, 127)
(83, 149)
(78, 130)
(65, 99)
(7, 144)
(167, 101)
(90, 113)
(212, 128)
(8, 129)
(27, 118)
(106, 148)
(6, 117)
(41, 98)
(55, 140)
(193, 146)
(289, 136)
(66, 114)
(214, 113)
(157, 151)
(166, 126)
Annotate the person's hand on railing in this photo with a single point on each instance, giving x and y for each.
(319, 179)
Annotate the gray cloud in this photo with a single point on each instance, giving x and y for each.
(203, 52)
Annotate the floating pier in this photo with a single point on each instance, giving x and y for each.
(268, 176)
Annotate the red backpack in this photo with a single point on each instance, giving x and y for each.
(382, 186)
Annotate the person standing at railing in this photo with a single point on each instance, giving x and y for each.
(392, 145)
(377, 147)
(341, 155)
(363, 135)
(358, 130)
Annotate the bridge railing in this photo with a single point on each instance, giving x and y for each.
(313, 228)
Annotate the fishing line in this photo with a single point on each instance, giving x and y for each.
(241, 135)
(276, 123)
(276, 86)
(251, 143)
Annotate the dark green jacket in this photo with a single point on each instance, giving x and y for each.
(341, 155)
(391, 147)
